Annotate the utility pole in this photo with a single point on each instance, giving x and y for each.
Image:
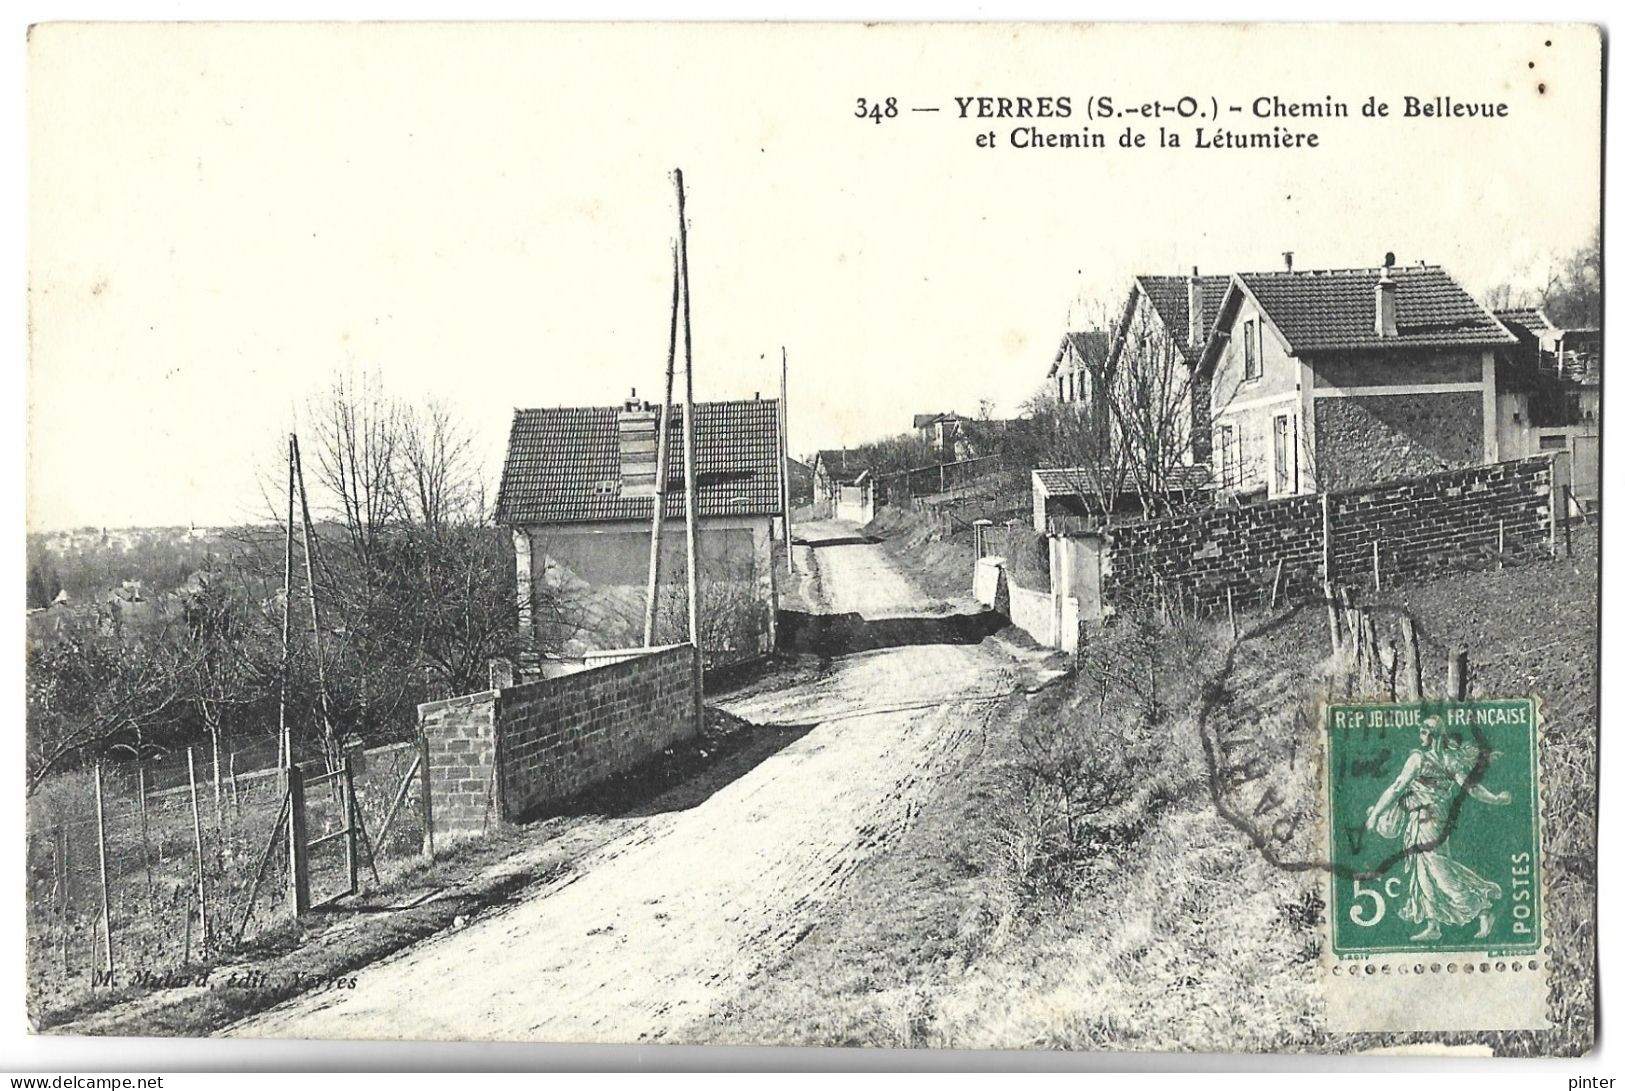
(689, 504)
(284, 737)
(329, 743)
(662, 463)
(784, 455)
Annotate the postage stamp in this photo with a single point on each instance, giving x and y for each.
(1433, 842)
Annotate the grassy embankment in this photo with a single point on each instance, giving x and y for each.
(1155, 924)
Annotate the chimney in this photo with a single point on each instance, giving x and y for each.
(1286, 255)
(1387, 311)
(637, 427)
(1194, 307)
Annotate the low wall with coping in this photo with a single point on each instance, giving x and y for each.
(501, 754)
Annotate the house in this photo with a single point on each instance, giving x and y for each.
(1078, 366)
(946, 435)
(1159, 393)
(832, 469)
(1550, 394)
(801, 482)
(1342, 377)
(578, 493)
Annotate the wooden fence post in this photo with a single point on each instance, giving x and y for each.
(426, 795)
(1456, 680)
(101, 856)
(351, 858)
(298, 863)
(146, 845)
(1413, 658)
(1275, 584)
(197, 845)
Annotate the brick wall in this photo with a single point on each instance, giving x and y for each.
(461, 734)
(505, 753)
(1457, 519)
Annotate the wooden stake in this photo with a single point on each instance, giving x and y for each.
(1376, 566)
(146, 845)
(1275, 585)
(1456, 679)
(1230, 605)
(351, 855)
(662, 463)
(1413, 658)
(101, 858)
(1568, 528)
(197, 845)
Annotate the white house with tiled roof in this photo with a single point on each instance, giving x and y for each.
(578, 494)
(1335, 378)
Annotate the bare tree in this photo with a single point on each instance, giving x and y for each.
(358, 443)
(438, 477)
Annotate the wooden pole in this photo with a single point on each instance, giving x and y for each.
(146, 844)
(1568, 530)
(101, 857)
(284, 739)
(1456, 679)
(329, 744)
(784, 454)
(1230, 606)
(1275, 584)
(662, 464)
(351, 856)
(197, 847)
(1413, 658)
(298, 862)
(1376, 566)
(690, 507)
(425, 796)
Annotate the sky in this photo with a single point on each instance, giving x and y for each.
(221, 218)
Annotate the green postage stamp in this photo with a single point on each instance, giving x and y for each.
(1433, 836)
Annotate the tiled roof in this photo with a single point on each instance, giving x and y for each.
(834, 462)
(926, 420)
(1085, 480)
(564, 464)
(1336, 310)
(1170, 297)
(1532, 319)
(1090, 346)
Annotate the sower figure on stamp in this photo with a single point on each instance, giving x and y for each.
(1415, 808)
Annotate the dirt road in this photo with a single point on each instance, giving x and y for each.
(652, 929)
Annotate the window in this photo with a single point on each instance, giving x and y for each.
(1554, 443)
(1227, 456)
(1250, 346)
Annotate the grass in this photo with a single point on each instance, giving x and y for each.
(1171, 931)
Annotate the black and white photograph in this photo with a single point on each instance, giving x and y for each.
(1064, 537)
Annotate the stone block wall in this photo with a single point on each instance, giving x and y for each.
(1363, 440)
(1462, 518)
(502, 754)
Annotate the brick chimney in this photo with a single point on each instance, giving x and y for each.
(636, 428)
(1387, 307)
(1198, 320)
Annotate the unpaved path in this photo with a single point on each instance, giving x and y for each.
(652, 929)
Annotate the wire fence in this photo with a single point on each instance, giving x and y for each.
(146, 869)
